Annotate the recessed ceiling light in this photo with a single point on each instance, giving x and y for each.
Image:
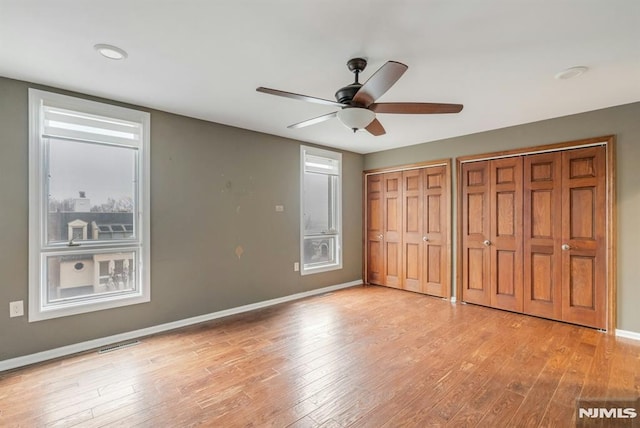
(570, 73)
(111, 52)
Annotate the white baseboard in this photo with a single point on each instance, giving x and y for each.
(135, 334)
(628, 334)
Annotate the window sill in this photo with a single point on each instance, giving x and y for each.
(75, 308)
(320, 269)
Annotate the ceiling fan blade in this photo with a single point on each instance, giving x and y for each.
(415, 108)
(379, 83)
(313, 121)
(375, 128)
(299, 97)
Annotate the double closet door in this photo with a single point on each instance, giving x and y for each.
(534, 234)
(407, 224)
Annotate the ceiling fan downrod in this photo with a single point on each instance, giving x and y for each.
(345, 94)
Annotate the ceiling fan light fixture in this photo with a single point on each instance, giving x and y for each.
(356, 117)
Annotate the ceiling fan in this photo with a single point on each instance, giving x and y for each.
(357, 101)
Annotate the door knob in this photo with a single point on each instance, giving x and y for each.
(566, 247)
(380, 236)
(486, 242)
(425, 239)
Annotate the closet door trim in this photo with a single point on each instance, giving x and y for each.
(608, 142)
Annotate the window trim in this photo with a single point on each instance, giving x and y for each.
(38, 310)
(304, 150)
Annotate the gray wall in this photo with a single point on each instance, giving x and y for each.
(213, 187)
(622, 121)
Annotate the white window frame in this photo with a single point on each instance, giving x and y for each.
(304, 269)
(39, 248)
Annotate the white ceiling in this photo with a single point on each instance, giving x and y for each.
(205, 58)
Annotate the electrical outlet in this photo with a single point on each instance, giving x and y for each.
(296, 267)
(279, 208)
(16, 309)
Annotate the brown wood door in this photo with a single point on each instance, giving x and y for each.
(412, 244)
(547, 233)
(583, 236)
(542, 235)
(505, 247)
(436, 194)
(392, 232)
(475, 233)
(375, 271)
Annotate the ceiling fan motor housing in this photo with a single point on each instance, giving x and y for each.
(345, 94)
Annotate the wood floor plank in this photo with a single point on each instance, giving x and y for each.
(359, 357)
(572, 381)
(475, 409)
(502, 410)
(467, 390)
(558, 415)
(537, 400)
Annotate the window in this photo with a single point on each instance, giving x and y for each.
(321, 246)
(88, 206)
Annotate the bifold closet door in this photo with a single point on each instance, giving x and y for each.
(565, 274)
(407, 230)
(505, 238)
(542, 235)
(475, 233)
(534, 234)
(375, 230)
(492, 233)
(425, 231)
(584, 243)
(384, 229)
(412, 243)
(435, 231)
(392, 229)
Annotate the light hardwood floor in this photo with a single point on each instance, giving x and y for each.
(365, 356)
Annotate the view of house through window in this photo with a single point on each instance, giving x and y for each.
(89, 274)
(88, 237)
(321, 213)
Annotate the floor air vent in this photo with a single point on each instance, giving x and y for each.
(117, 346)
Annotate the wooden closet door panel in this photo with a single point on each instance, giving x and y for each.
(375, 230)
(506, 233)
(412, 245)
(436, 231)
(392, 234)
(475, 231)
(542, 235)
(583, 236)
